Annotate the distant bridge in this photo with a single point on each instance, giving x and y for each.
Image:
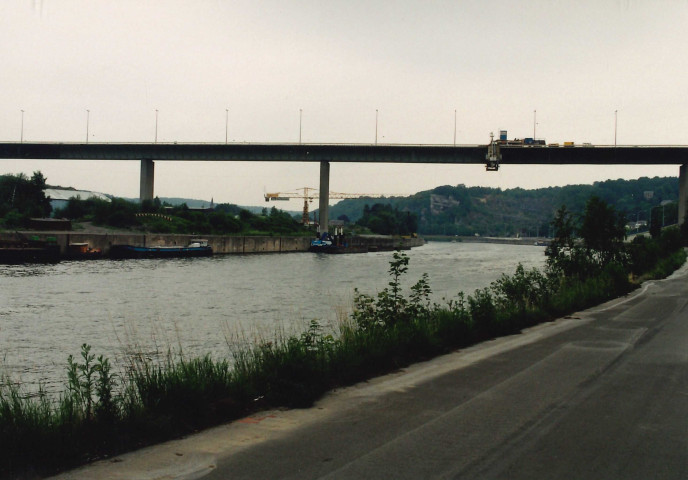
(492, 155)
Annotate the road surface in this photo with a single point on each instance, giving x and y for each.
(600, 394)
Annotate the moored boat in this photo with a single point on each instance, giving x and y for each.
(196, 248)
(337, 244)
(82, 251)
(29, 250)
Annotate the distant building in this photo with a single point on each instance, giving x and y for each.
(59, 197)
(640, 224)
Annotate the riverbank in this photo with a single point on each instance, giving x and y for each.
(499, 383)
(181, 395)
(537, 241)
(221, 244)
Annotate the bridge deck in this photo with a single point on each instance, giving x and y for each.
(387, 153)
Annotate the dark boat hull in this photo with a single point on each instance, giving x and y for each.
(131, 251)
(84, 255)
(17, 255)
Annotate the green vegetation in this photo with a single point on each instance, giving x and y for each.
(461, 210)
(447, 210)
(22, 198)
(385, 220)
(158, 217)
(103, 413)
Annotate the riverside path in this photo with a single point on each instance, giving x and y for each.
(600, 394)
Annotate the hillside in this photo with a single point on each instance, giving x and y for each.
(462, 210)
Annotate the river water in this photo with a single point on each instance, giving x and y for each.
(206, 305)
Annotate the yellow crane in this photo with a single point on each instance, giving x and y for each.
(308, 194)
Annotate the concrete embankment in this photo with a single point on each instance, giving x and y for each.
(219, 243)
(540, 241)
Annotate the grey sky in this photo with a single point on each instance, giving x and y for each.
(494, 62)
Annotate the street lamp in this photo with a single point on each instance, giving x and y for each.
(454, 127)
(88, 114)
(156, 125)
(534, 123)
(615, 124)
(300, 122)
(21, 137)
(376, 126)
(226, 124)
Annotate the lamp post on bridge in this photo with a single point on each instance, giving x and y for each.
(300, 122)
(534, 123)
(226, 124)
(21, 135)
(376, 126)
(156, 125)
(454, 127)
(88, 114)
(615, 124)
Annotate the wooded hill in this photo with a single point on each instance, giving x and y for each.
(462, 210)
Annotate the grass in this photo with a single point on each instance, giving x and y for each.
(101, 413)
(665, 266)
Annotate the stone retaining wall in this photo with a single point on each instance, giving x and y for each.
(220, 244)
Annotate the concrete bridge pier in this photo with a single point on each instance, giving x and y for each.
(324, 196)
(147, 176)
(682, 189)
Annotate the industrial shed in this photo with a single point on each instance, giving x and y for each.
(59, 196)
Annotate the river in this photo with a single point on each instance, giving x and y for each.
(207, 305)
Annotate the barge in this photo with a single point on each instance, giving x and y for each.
(335, 244)
(197, 248)
(29, 250)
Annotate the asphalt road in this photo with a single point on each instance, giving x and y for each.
(601, 394)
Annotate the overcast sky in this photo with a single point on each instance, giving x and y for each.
(494, 62)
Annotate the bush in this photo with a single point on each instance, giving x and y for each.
(643, 254)
(670, 240)
(15, 219)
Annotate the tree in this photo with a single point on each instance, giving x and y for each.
(603, 231)
(385, 220)
(40, 204)
(22, 198)
(562, 253)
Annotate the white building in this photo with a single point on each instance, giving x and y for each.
(59, 197)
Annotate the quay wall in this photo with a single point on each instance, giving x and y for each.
(219, 243)
(384, 243)
(506, 241)
(539, 241)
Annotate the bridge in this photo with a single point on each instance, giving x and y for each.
(492, 155)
